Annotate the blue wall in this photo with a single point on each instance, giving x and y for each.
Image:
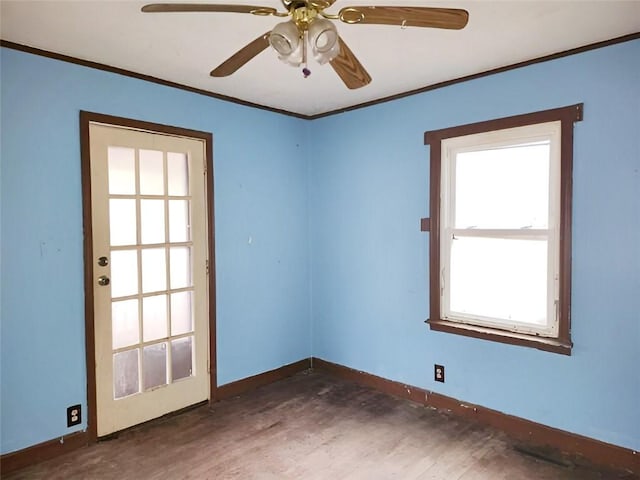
(369, 188)
(260, 192)
(335, 241)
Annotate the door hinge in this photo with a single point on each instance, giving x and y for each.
(207, 266)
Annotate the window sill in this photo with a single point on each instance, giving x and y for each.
(548, 344)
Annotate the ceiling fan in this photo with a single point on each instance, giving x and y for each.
(311, 27)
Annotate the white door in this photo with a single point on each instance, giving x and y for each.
(149, 221)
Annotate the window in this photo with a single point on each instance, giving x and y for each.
(500, 246)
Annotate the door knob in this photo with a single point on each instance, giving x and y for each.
(103, 280)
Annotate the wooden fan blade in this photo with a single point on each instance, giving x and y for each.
(242, 56)
(451, 18)
(206, 7)
(349, 69)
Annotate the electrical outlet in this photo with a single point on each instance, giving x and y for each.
(74, 415)
(438, 373)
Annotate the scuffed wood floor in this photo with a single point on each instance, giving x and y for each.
(310, 426)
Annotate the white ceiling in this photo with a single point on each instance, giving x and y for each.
(184, 47)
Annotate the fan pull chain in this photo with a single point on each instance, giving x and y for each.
(305, 70)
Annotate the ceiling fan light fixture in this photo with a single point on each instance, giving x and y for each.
(323, 38)
(296, 57)
(285, 38)
(326, 57)
(323, 35)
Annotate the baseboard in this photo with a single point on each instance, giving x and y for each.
(583, 450)
(246, 384)
(43, 451)
(59, 446)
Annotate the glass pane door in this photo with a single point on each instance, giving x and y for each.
(149, 217)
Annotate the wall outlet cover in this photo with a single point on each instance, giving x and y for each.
(438, 373)
(74, 415)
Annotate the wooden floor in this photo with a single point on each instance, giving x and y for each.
(310, 426)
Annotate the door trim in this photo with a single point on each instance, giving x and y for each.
(85, 119)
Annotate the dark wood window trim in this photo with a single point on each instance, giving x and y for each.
(567, 116)
(85, 119)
